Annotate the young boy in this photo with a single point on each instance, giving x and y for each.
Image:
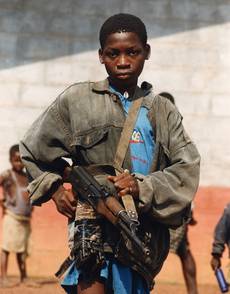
(85, 122)
(16, 215)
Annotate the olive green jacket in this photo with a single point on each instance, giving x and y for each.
(84, 124)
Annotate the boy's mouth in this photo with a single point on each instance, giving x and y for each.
(124, 74)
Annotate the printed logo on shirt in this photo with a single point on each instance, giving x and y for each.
(142, 161)
(136, 137)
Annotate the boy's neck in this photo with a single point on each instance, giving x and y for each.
(123, 87)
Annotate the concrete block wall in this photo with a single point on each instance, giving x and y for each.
(47, 45)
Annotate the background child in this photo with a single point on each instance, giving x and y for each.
(16, 216)
(221, 238)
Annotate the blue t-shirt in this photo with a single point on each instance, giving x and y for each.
(141, 143)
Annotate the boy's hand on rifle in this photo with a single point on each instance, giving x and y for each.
(65, 202)
(125, 183)
(215, 262)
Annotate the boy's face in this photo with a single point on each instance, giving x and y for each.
(124, 56)
(16, 162)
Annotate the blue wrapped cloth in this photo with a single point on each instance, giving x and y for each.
(118, 278)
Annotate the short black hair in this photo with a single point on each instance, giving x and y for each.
(123, 22)
(13, 150)
(168, 96)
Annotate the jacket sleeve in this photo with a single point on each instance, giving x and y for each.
(168, 192)
(42, 150)
(221, 234)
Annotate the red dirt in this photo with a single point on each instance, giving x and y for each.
(49, 247)
(49, 287)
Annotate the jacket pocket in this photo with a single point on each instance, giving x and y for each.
(89, 139)
(91, 146)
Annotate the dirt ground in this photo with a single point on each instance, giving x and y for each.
(49, 239)
(50, 286)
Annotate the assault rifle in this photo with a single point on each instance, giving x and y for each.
(100, 198)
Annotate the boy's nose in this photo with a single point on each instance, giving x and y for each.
(123, 62)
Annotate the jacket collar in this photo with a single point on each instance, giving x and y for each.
(103, 87)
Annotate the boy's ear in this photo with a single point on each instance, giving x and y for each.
(100, 56)
(148, 51)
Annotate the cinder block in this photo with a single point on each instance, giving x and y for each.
(87, 27)
(149, 9)
(10, 4)
(80, 45)
(219, 130)
(11, 20)
(61, 25)
(33, 22)
(182, 79)
(9, 94)
(222, 31)
(59, 71)
(16, 119)
(51, 7)
(23, 21)
(198, 127)
(14, 122)
(192, 103)
(219, 81)
(195, 11)
(160, 27)
(39, 96)
(30, 73)
(41, 47)
(98, 8)
(86, 66)
(7, 62)
(7, 44)
(183, 56)
(224, 57)
(221, 105)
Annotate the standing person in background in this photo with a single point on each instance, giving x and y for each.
(221, 238)
(85, 123)
(16, 216)
(179, 243)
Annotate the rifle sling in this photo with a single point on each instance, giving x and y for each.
(122, 150)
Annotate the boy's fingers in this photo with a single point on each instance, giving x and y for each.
(125, 183)
(67, 214)
(118, 178)
(124, 192)
(68, 204)
(71, 198)
(67, 211)
(113, 179)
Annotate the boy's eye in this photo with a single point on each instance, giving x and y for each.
(133, 52)
(112, 54)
